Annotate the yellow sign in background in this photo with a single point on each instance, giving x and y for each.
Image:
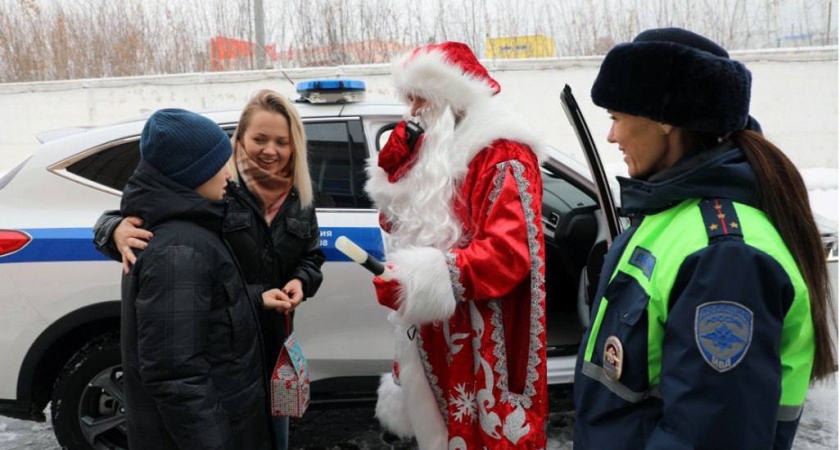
(536, 46)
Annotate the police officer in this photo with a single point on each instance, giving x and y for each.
(710, 318)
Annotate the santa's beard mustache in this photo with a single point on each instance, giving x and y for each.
(423, 215)
(426, 116)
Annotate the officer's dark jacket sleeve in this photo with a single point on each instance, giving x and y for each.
(704, 408)
(103, 234)
(172, 307)
(311, 260)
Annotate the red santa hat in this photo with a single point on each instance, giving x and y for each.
(447, 73)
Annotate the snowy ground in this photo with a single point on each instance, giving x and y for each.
(355, 429)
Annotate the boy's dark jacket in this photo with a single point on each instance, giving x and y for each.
(269, 255)
(193, 372)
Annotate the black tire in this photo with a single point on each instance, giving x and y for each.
(87, 400)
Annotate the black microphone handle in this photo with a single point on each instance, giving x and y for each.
(373, 265)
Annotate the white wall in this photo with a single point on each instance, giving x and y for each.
(794, 97)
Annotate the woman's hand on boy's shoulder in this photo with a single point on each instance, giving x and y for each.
(127, 236)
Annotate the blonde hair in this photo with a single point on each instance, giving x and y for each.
(271, 101)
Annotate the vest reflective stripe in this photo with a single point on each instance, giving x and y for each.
(789, 413)
(596, 372)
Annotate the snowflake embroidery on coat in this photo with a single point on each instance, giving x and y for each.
(464, 404)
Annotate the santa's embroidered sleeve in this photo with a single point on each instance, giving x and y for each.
(505, 204)
(497, 259)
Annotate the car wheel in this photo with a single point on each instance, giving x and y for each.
(88, 410)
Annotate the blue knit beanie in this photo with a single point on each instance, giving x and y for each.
(674, 76)
(185, 147)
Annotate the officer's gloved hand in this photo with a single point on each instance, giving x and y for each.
(388, 292)
(400, 152)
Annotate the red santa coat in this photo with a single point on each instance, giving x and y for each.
(471, 327)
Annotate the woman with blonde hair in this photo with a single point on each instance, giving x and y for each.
(270, 223)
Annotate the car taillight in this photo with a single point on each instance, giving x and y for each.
(12, 241)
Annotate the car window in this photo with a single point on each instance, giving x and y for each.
(337, 156)
(111, 167)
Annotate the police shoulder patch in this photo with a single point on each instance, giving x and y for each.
(643, 260)
(723, 331)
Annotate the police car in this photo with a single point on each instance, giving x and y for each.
(59, 298)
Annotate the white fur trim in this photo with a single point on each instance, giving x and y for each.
(429, 75)
(391, 409)
(422, 408)
(377, 184)
(486, 122)
(427, 294)
(411, 408)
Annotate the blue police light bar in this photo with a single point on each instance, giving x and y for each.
(331, 85)
(331, 91)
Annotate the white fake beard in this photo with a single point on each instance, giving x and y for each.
(420, 210)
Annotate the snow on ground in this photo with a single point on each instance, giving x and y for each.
(356, 429)
(818, 426)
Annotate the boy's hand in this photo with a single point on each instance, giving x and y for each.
(294, 290)
(277, 300)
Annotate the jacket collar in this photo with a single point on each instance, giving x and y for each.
(237, 218)
(154, 197)
(722, 172)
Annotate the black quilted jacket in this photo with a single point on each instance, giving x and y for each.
(193, 374)
(272, 255)
(269, 255)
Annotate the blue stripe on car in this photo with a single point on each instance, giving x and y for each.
(370, 239)
(76, 244)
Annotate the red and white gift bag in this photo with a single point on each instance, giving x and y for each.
(290, 381)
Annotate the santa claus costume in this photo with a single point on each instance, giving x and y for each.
(462, 212)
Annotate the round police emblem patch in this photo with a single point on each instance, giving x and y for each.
(613, 358)
(723, 331)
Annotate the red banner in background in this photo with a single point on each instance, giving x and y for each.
(225, 51)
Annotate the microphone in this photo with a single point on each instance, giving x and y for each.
(354, 252)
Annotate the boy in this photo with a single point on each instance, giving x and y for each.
(193, 372)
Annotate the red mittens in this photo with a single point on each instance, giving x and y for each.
(396, 157)
(387, 292)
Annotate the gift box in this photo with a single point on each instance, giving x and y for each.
(290, 381)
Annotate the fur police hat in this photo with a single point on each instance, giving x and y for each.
(677, 77)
